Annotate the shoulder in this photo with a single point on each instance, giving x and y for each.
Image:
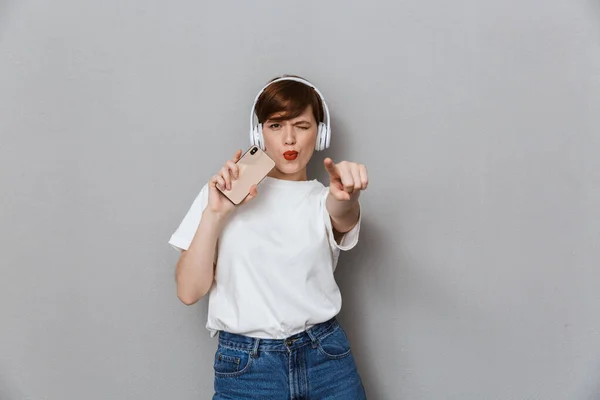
(316, 192)
(317, 186)
(320, 189)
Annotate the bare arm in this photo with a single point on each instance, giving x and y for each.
(346, 181)
(195, 268)
(343, 214)
(195, 271)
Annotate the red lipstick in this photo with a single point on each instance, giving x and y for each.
(290, 155)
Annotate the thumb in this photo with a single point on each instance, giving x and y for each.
(251, 195)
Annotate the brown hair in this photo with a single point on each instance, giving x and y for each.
(289, 99)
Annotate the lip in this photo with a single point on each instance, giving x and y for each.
(290, 155)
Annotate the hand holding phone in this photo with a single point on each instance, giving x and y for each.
(237, 177)
(236, 182)
(217, 203)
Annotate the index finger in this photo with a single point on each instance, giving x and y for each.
(331, 168)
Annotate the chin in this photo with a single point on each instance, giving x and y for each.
(289, 169)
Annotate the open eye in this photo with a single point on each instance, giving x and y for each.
(274, 126)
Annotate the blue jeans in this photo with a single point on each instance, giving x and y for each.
(314, 364)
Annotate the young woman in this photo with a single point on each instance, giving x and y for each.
(268, 263)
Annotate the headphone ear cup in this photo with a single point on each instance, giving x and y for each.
(253, 136)
(259, 137)
(321, 137)
(326, 137)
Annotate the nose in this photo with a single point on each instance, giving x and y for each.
(289, 135)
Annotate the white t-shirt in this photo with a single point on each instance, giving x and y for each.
(275, 261)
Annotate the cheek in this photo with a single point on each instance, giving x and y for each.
(311, 137)
(308, 154)
(268, 141)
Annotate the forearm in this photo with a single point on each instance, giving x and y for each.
(344, 214)
(195, 268)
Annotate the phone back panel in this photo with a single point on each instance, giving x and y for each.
(253, 167)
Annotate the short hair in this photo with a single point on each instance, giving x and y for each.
(289, 99)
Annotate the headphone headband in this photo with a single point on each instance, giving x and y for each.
(290, 78)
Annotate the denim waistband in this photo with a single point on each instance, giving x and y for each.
(309, 336)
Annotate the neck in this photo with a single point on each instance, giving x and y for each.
(297, 176)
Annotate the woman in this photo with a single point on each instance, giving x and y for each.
(267, 264)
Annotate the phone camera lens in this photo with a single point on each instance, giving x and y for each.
(254, 150)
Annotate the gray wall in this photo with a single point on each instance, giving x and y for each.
(477, 275)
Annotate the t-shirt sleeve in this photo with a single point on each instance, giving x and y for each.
(182, 237)
(350, 238)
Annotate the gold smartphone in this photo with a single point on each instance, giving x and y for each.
(253, 166)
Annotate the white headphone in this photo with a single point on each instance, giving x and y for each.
(324, 130)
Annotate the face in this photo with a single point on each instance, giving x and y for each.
(291, 144)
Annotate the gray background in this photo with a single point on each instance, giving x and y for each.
(477, 274)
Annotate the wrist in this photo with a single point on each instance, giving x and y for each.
(214, 219)
(340, 208)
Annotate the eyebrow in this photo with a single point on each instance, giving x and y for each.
(295, 123)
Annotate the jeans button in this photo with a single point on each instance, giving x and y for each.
(289, 342)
